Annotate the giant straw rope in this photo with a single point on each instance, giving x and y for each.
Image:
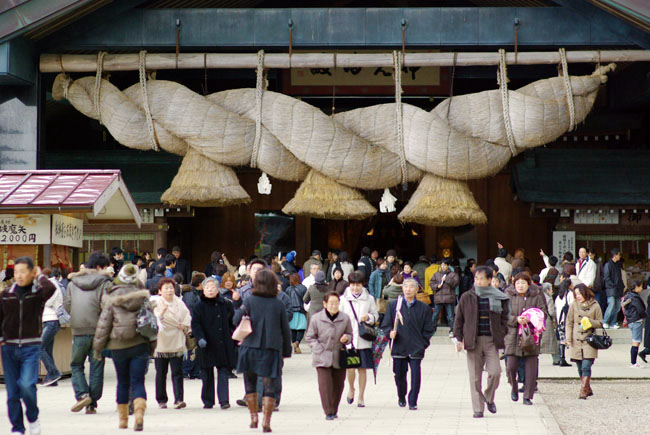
(375, 147)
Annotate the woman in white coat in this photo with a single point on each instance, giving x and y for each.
(360, 306)
(563, 301)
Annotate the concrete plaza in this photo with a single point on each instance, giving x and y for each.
(444, 403)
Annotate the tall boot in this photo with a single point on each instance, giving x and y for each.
(583, 388)
(139, 405)
(268, 405)
(123, 413)
(251, 400)
(589, 392)
(563, 362)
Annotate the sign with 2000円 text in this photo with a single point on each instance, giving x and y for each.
(67, 231)
(33, 229)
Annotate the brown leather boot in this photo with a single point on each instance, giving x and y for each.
(296, 348)
(251, 400)
(268, 405)
(588, 385)
(123, 413)
(139, 405)
(583, 388)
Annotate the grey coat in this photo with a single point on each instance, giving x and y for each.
(315, 296)
(83, 299)
(324, 338)
(549, 338)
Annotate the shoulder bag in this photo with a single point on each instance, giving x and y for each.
(349, 358)
(599, 341)
(62, 315)
(366, 331)
(146, 323)
(423, 297)
(244, 329)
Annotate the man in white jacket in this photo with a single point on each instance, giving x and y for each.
(586, 268)
(505, 268)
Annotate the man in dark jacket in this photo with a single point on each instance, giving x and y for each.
(481, 325)
(21, 313)
(152, 283)
(160, 259)
(599, 294)
(84, 301)
(613, 283)
(409, 325)
(365, 264)
(182, 265)
(467, 281)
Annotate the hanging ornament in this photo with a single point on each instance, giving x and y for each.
(387, 203)
(264, 184)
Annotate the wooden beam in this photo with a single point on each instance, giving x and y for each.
(54, 63)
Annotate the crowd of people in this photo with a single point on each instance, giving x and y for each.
(190, 323)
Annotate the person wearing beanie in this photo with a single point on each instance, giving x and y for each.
(315, 294)
(391, 258)
(288, 263)
(84, 300)
(130, 351)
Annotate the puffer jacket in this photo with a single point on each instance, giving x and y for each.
(116, 328)
(518, 304)
(634, 307)
(447, 293)
(83, 299)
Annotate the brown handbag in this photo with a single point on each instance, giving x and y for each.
(423, 297)
(382, 305)
(527, 340)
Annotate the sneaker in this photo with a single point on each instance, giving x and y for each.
(225, 405)
(605, 326)
(91, 409)
(636, 366)
(84, 401)
(616, 326)
(48, 382)
(179, 405)
(35, 428)
(451, 334)
(162, 405)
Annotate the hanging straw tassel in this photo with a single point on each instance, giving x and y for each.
(442, 202)
(321, 197)
(263, 184)
(387, 203)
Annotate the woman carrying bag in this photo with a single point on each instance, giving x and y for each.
(328, 330)
(173, 325)
(360, 307)
(584, 317)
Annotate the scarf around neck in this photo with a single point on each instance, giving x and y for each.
(495, 296)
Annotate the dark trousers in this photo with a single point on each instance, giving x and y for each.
(162, 365)
(82, 348)
(400, 368)
(530, 379)
(207, 388)
(250, 385)
(20, 365)
(297, 335)
(50, 329)
(331, 382)
(131, 366)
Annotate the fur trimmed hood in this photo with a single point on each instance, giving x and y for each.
(127, 297)
(90, 279)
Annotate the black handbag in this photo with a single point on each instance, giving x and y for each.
(147, 325)
(367, 332)
(349, 358)
(599, 341)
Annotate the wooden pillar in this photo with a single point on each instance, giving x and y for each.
(430, 240)
(160, 236)
(303, 239)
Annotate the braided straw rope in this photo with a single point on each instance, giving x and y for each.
(259, 85)
(569, 90)
(98, 84)
(145, 100)
(397, 73)
(505, 103)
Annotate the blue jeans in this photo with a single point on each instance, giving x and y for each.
(50, 329)
(131, 366)
(449, 308)
(82, 348)
(601, 298)
(20, 365)
(584, 367)
(613, 307)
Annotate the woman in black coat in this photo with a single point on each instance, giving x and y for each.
(261, 353)
(212, 326)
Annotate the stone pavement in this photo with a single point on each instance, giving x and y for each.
(444, 405)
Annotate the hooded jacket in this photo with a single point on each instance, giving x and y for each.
(117, 324)
(635, 308)
(83, 299)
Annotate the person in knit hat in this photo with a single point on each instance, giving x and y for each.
(117, 331)
(174, 323)
(316, 294)
(288, 263)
